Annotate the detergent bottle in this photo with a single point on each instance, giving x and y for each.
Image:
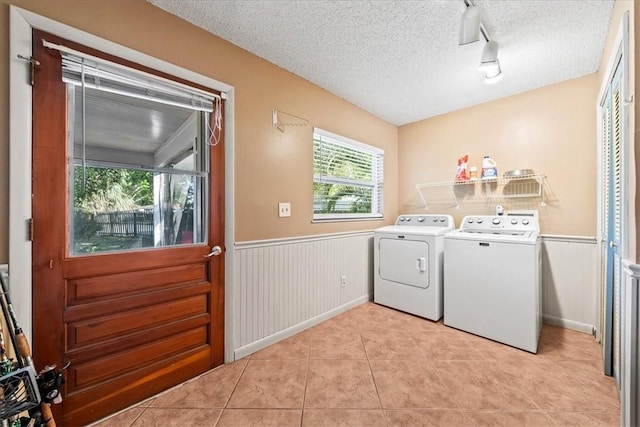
(489, 169)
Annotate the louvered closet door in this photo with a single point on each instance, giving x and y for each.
(616, 213)
(612, 227)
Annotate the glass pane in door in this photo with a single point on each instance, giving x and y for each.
(138, 173)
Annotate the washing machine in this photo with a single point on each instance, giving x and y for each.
(408, 262)
(492, 274)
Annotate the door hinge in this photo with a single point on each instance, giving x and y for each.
(30, 229)
(32, 63)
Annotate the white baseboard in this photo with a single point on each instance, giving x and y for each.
(286, 333)
(568, 324)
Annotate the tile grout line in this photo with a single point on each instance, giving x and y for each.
(436, 371)
(373, 378)
(140, 414)
(219, 417)
(306, 379)
(224, 407)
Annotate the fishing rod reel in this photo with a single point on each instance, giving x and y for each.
(50, 381)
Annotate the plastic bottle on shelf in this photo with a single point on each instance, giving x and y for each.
(489, 169)
(473, 173)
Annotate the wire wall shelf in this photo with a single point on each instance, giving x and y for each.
(524, 186)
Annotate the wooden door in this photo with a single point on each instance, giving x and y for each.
(132, 323)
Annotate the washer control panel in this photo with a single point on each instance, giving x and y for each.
(484, 223)
(426, 220)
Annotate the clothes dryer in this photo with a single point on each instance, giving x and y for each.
(408, 263)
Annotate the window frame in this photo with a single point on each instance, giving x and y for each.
(376, 183)
(200, 148)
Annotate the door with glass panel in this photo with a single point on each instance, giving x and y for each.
(128, 255)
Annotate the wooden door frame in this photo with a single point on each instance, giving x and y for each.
(22, 22)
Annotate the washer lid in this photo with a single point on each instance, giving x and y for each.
(503, 236)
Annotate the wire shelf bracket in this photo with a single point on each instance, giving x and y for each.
(292, 120)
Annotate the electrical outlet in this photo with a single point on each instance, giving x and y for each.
(284, 209)
(343, 281)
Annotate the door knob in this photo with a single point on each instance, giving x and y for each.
(613, 244)
(215, 251)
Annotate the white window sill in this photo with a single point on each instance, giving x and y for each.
(347, 219)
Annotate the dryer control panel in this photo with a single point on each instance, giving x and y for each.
(426, 220)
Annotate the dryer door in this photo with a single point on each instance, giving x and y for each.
(404, 261)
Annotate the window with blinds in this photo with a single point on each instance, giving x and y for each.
(139, 147)
(348, 178)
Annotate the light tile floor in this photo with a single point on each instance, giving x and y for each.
(373, 366)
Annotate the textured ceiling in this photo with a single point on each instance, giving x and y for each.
(400, 60)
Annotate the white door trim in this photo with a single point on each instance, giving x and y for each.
(22, 22)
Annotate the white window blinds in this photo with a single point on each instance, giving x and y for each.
(348, 178)
(98, 73)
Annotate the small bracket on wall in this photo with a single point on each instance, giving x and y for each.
(279, 123)
(33, 64)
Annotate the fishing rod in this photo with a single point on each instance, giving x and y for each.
(6, 365)
(24, 356)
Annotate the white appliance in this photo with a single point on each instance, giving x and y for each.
(492, 279)
(408, 264)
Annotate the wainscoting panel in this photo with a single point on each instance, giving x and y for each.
(284, 286)
(569, 282)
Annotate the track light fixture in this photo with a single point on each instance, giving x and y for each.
(489, 63)
(470, 26)
(470, 29)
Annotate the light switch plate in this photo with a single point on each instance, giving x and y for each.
(284, 209)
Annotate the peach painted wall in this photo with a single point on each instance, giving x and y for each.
(551, 130)
(270, 166)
